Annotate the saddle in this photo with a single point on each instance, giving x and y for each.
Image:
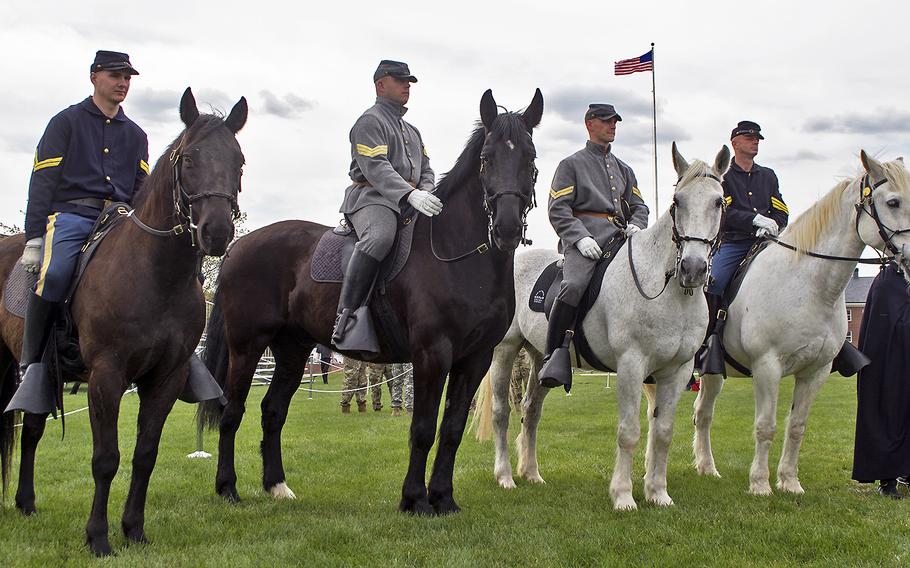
(546, 288)
(848, 361)
(330, 262)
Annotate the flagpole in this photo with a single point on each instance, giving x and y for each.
(654, 118)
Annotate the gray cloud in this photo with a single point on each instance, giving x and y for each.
(880, 121)
(164, 105)
(572, 102)
(802, 156)
(289, 106)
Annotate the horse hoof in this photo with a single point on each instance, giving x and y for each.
(446, 506)
(421, 508)
(136, 538)
(624, 503)
(27, 509)
(100, 547)
(790, 486)
(282, 491)
(761, 489)
(709, 471)
(230, 495)
(534, 478)
(661, 500)
(507, 482)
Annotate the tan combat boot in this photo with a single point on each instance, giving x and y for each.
(346, 409)
(396, 412)
(361, 407)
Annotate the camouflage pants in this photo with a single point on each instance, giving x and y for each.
(376, 374)
(521, 370)
(402, 385)
(354, 378)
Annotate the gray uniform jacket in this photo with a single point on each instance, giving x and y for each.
(388, 159)
(589, 186)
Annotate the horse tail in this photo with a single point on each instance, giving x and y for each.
(482, 422)
(7, 420)
(650, 390)
(215, 357)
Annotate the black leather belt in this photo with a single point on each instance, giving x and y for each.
(93, 202)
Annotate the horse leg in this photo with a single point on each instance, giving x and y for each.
(660, 434)
(290, 361)
(804, 392)
(465, 378)
(32, 430)
(629, 377)
(500, 375)
(708, 392)
(766, 384)
(156, 399)
(431, 363)
(105, 389)
(240, 378)
(526, 443)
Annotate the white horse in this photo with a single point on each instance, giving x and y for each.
(789, 317)
(629, 333)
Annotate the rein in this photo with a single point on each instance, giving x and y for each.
(865, 199)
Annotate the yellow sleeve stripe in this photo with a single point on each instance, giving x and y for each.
(561, 192)
(425, 153)
(728, 200)
(48, 163)
(372, 152)
(145, 167)
(636, 192)
(778, 204)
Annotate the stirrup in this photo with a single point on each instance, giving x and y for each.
(360, 334)
(340, 323)
(557, 368)
(200, 384)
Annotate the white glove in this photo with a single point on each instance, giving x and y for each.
(631, 229)
(765, 226)
(425, 202)
(589, 248)
(31, 256)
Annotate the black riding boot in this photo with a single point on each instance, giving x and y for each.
(557, 366)
(35, 394)
(710, 358)
(354, 327)
(888, 488)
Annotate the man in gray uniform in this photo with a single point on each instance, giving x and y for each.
(594, 200)
(389, 166)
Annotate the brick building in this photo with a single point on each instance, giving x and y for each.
(855, 295)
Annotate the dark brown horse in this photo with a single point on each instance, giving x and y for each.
(139, 308)
(454, 313)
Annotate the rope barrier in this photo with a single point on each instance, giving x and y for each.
(49, 418)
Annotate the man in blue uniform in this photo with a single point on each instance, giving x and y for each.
(389, 167)
(755, 207)
(90, 154)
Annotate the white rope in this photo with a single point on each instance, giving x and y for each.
(49, 418)
(370, 386)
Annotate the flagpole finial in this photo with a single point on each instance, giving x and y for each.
(652, 44)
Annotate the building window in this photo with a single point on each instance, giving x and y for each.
(850, 336)
(849, 314)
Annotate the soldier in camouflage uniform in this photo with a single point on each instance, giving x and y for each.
(521, 370)
(376, 374)
(389, 168)
(401, 387)
(594, 200)
(354, 378)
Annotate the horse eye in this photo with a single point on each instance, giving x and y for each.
(894, 203)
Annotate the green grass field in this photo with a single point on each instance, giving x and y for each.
(347, 471)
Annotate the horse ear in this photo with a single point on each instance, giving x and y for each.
(680, 163)
(872, 166)
(532, 114)
(188, 111)
(488, 110)
(237, 118)
(722, 161)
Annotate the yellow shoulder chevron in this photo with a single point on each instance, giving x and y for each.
(561, 192)
(364, 150)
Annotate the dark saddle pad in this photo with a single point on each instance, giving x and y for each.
(333, 251)
(20, 283)
(546, 288)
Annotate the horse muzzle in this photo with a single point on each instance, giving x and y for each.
(693, 272)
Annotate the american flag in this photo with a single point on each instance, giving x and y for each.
(636, 64)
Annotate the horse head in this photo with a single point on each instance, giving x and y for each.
(697, 212)
(208, 165)
(507, 170)
(883, 211)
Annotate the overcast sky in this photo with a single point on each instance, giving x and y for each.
(823, 82)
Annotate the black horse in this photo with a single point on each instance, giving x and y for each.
(139, 310)
(454, 312)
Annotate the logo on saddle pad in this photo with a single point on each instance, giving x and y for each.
(539, 297)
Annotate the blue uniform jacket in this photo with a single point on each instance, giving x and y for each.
(83, 153)
(748, 194)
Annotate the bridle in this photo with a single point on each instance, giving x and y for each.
(489, 202)
(678, 240)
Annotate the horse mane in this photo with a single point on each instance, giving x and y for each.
(507, 125)
(805, 231)
(163, 171)
(696, 169)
